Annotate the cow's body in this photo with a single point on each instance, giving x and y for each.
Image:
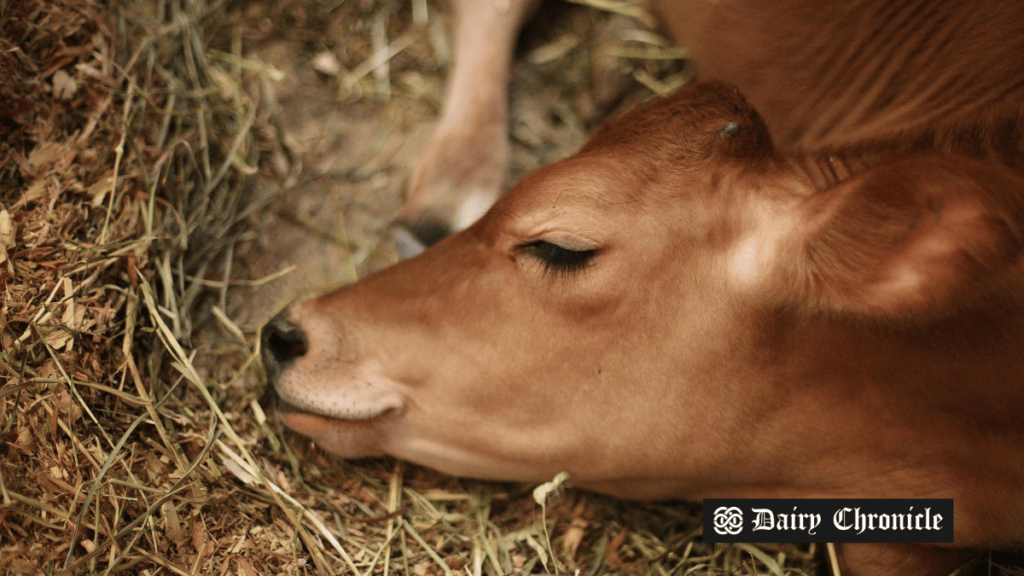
(821, 74)
(685, 309)
(842, 73)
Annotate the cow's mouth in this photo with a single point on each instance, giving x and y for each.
(290, 412)
(355, 436)
(314, 425)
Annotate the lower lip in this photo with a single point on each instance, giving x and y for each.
(307, 424)
(346, 438)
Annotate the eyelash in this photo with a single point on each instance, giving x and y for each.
(559, 260)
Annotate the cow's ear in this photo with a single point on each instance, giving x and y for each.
(913, 238)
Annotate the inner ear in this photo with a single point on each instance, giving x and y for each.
(915, 237)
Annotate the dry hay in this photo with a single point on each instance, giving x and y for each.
(130, 137)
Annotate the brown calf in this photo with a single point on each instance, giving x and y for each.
(685, 309)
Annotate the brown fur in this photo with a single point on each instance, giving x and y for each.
(822, 299)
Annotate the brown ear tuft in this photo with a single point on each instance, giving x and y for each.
(914, 238)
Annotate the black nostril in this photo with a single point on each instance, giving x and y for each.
(283, 341)
(284, 348)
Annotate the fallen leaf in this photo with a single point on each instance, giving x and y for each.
(64, 86)
(282, 481)
(45, 154)
(172, 525)
(239, 473)
(56, 336)
(155, 468)
(34, 192)
(200, 540)
(326, 63)
(25, 442)
(99, 189)
(7, 230)
(53, 485)
(244, 568)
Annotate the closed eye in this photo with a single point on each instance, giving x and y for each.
(557, 259)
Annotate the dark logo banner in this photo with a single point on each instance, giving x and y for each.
(918, 521)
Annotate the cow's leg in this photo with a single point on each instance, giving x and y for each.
(461, 170)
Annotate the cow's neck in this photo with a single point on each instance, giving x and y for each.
(927, 411)
(998, 138)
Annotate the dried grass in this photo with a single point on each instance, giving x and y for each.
(135, 443)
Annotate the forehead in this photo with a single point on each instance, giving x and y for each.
(591, 180)
(588, 198)
(579, 193)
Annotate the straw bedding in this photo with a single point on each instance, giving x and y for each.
(143, 150)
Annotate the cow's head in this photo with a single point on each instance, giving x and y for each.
(648, 313)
